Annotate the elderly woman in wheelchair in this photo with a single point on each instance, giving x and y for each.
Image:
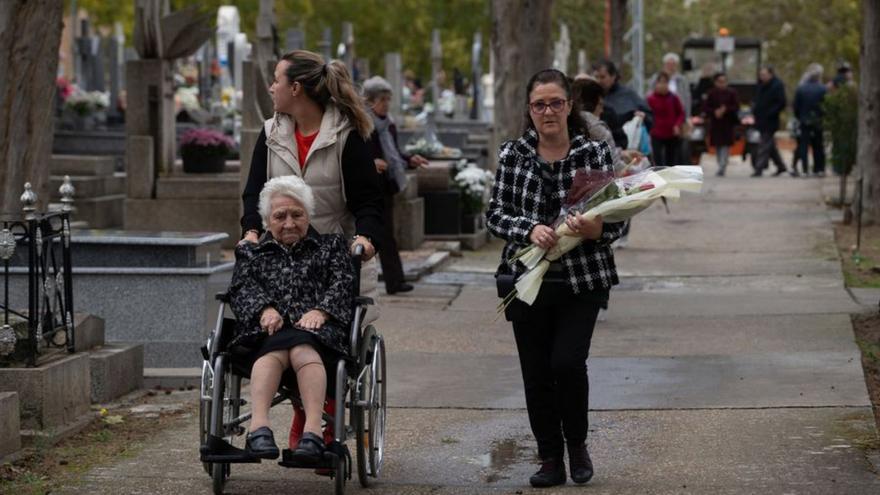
(292, 297)
(300, 334)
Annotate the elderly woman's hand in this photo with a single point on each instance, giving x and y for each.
(270, 320)
(543, 236)
(586, 228)
(312, 320)
(250, 236)
(369, 250)
(418, 161)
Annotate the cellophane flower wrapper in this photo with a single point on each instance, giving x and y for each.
(617, 199)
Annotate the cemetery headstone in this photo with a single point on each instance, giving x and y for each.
(436, 66)
(394, 76)
(476, 76)
(295, 39)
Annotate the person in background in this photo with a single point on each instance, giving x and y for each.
(392, 165)
(721, 109)
(669, 118)
(623, 100)
(807, 105)
(681, 87)
(769, 102)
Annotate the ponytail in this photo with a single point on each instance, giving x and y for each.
(328, 82)
(346, 97)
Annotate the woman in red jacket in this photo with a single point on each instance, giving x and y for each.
(668, 119)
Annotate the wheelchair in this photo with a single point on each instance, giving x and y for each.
(360, 389)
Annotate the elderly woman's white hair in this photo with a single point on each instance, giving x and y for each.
(814, 72)
(671, 57)
(375, 87)
(287, 185)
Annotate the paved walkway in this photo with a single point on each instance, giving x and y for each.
(726, 364)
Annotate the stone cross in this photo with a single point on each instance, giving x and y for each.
(295, 39)
(346, 46)
(436, 66)
(116, 48)
(394, 76)
(583, 63)
(242, 51)
(476, 76)
(562, 49)
(205, 57)
(326, 44)
(228, 26)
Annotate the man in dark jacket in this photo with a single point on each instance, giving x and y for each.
(621, 99)
(808, 110)
(769, 102)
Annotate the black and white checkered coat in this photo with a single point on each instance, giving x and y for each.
(518, 204)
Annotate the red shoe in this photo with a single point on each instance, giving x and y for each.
(297, 427)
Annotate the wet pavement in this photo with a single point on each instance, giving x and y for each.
(725, 364)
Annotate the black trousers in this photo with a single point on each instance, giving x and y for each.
(767, 151)
(811, 137)
(666, 151)
(389, 256)
(553, 339)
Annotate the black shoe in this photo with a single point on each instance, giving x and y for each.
(580, 464)
(795, 173)
(756, 174)
(404, 287)
(261, 443)
(552, 473)
(310, 449)
(779, 172)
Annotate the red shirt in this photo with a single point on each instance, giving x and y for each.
(303, 145)
(668, 113)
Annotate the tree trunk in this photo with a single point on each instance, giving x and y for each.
(618, 29)
(868, 157)
(522, 45)
(30, 34)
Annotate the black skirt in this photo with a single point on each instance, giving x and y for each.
(289, 337)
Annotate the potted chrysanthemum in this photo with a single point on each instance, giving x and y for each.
(205, 151)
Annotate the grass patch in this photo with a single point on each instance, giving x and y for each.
(860, 268)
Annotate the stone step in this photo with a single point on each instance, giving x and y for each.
(88, 332)
(102, 212)
(172, 377)
(82, 165)
(200, 186)
(52, 394)
(10, 424)
(476, 138)
(89, 186)
(116, 369)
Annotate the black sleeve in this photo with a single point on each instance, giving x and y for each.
(256, 179)
(610, 117)
(363, 191)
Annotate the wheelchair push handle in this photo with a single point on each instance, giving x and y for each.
(356, 260)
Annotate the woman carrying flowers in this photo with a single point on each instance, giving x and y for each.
(553, 334)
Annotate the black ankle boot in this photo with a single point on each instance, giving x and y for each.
(552, 473)
(580, 464)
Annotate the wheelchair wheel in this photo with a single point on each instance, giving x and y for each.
(206, 389)
(225, 406)
(376, 413)
(361, 393)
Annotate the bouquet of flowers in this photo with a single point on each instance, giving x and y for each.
(474, 184)
(86, 102)
(598, 193)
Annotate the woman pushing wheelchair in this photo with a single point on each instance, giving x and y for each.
(292, 295)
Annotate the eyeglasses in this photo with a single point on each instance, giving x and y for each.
(539, 107)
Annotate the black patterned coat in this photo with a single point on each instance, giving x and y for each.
(315, 273)
(523, 198)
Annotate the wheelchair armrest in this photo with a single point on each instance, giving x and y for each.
(364, 301)
(222, 297)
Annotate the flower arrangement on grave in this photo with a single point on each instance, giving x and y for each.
(474, 184)
(205, 150)
(596, 193)
(84, 103)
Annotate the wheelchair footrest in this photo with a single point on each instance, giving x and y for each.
(331, 458)
(218, 450)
